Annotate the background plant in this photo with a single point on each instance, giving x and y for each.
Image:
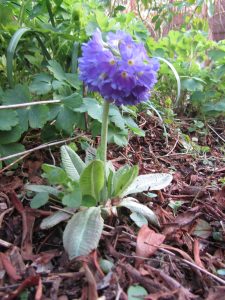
(40, 43)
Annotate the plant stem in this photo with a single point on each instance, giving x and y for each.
(104, 132)
(51, 16)
(22, 9)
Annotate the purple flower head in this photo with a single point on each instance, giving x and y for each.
(119, 69)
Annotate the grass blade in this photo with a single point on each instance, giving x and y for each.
(176, 76)
(12, 48)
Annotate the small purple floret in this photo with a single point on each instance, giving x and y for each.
(119, 69)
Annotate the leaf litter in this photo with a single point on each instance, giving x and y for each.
(181, 259)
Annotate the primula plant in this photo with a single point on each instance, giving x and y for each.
(120, 70)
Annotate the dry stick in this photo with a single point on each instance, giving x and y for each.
(220, 280)
(216, 133)
(40, 147)
(184, 260)
(26, 104)
(13, 163)
(5, 244)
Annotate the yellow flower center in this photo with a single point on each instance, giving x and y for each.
(103, 75)
(124, 74)
(130, 62)
(112, 62)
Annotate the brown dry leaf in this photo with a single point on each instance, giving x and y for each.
(10, 270)
(216, 293)
(16, 259)
(182, 220)
(147, 242)
(28, 219)
(181, 252)
(28, 282)
(92, 286)
(220, 198)
(197, 254)
(39, 291)
(202, 229)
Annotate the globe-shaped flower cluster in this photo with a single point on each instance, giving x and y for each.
(119, 69)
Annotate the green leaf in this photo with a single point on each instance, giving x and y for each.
(19, 94)
(42, 84)
(117, 136)
(90, 154)
(73, 101)
(191, 84)
(54, 175)
(215, 108)
(83, 232)
(221, 272)
(57, 70)
(175, 205)
(66, 119)
(72, 163)
(12, 136)
(149, 182)
(55, 218)
(116, 117)
(73, 80)
(202, 229)
(73, 199)
(106, 265)
(134, 127)
(134, 206)
(74, 61)
(8, 119)
(93, 108)
(11, 50)
(10, 149)
(138, 219)
(88, 201)
(38, 115)
(175, 74)
(123, 178)
(42, 189)
(216, 54)
(39, 200)
(92, 179)
(136, 292)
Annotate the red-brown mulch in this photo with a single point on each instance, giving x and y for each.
(178, 261)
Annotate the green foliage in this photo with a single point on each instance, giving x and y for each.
(92, 179)
(88, 187)
(38, 60)
(136, 292)
(200, 65)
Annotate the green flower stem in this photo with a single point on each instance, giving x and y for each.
(104, 132)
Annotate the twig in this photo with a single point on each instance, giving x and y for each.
(5, 244)
(220, 280)
(63, 210)
(21, 105)
(177, 140)
(219, 136)
(13, 163)
(40, 147)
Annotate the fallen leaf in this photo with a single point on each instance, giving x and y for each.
(182, 220)
(10, 270)
(92, 287)
(202, 229)
(147, 242)
(197, 254)
(28, 282)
